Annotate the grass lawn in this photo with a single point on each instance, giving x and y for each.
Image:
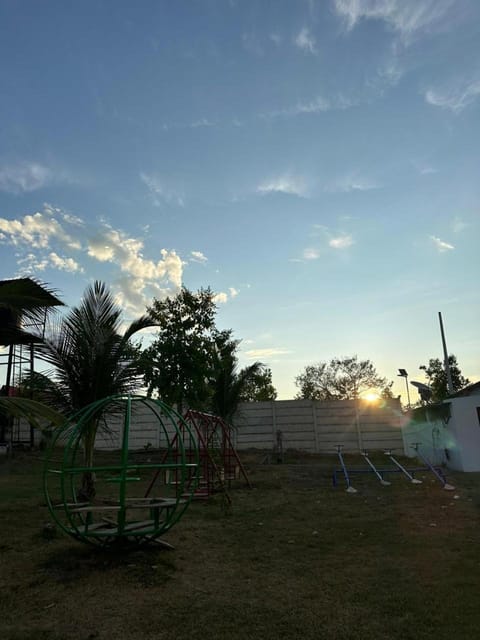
(295, 558)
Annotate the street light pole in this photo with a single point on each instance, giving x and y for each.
(402, 373)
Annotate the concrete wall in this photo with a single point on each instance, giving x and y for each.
(315, 426)
(305, 425)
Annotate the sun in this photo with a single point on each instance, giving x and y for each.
(371, 396)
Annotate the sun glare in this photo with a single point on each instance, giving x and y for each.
(371, 397)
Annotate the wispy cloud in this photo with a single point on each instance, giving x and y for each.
(255, 354)
(456, 97)
(198, 256)
(64, 242)
(341, 242)
(458, 225)
(305, 41)
(406, 17)
(160, 193)
(276, 38)
(203, 122)
(351, 182)
(222, 297)
(441, 245)
(24, 177)
(287, 184)
(318, 104)
(310, 253)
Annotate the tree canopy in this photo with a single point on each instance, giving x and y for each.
(437, 377)
(259, 387)
(193, 363)
(340, 379)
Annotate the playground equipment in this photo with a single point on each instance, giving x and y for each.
(402, 468)
(117, 511)
(381, 472)
(383, 482)
(349, 488)
(440, 476)
(219, 463)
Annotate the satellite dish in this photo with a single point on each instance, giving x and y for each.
(424, 390)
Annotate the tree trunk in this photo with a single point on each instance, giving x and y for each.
(87, 490)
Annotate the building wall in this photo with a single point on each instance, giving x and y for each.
(315, 426)
(464, 428)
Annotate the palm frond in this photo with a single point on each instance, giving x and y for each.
(33, 412)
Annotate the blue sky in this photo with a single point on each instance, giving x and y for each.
(315, 163)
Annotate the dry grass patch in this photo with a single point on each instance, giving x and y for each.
(295, 558)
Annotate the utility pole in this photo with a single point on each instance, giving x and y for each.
(445, 356)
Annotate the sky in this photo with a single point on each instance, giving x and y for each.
(316, 163)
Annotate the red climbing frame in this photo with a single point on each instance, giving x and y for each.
(218, 460)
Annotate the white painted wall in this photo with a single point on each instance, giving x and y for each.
(454, 441)
(464, 434)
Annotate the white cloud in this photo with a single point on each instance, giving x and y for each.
(64, 264)
(406, 17)
(310, 253)
(341, 242)
(254, 354)
(288, 184)
(24, 177)
(441, 245)
(198, 256)
(305, 41)
(161, 194)
(51, 234)
(37, 230)
(455, 98)
(221, 297)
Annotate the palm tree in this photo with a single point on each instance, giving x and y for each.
(227, 382)
(91, 360)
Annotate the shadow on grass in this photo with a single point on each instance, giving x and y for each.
(149, 566)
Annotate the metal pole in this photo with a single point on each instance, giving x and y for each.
(445, 356)
(408, 392)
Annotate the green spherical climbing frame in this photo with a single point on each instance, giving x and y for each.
(141, 472)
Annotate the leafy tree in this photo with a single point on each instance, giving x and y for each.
(178, 363)
(340, 379)
(228, 384)
(259, 387)
(90, 360)
(437, 377)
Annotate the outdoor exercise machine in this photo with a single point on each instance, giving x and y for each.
(413, 480)
(117, 511)
(349, 488)
(381, 472)
(383, 482)
(436, 472)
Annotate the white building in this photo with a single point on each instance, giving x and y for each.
(448, 432)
